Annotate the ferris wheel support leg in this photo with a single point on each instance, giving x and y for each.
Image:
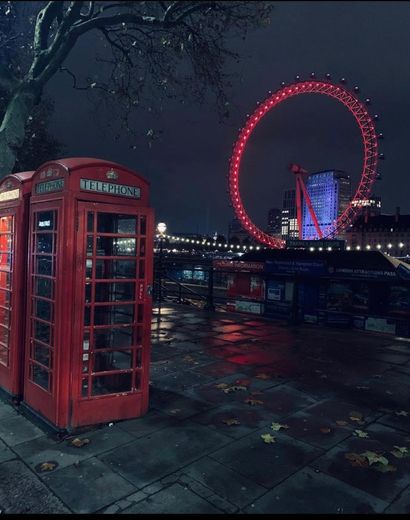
(299, 207)
(310, 208)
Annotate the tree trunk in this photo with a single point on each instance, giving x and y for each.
(12, 129)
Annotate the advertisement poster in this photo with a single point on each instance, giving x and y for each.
(399, 300)
(339, 297)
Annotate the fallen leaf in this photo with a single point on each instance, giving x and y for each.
(356, 416)
(361, 434)
(374, 458)
(231, 422)
(357, 460)
(79, 443)
(253, 402)
(402, 413)
(188, 359)
(234, 388)
(175, 410)
(323, 376)
(262, 376)
(268, 438)
(276, 426)
(400, 452)
(221, 385)
(325, 430)
(362, 387)
(384, 468)
(47, 466)
(256, 392)
(341, 423)
(388, 392)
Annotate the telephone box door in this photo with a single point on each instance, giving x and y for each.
(113, 312)
(42, 355)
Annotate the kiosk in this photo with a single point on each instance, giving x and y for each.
(15, 191)
(89, 310)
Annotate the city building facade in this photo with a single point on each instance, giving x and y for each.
(387, 233)
(330, 193)
(289, 221)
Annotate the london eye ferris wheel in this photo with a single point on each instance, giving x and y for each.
(364, 120)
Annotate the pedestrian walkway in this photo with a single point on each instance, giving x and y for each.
(246, 416)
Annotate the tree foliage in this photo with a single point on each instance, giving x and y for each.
(145, 52)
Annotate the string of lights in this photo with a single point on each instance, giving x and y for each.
(219, 245)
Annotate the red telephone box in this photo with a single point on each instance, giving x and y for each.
(89, 311)
(15, 190)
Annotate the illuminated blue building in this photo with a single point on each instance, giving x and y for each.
(329, 192)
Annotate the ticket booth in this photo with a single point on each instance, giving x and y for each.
(15, 191)
(89, 298)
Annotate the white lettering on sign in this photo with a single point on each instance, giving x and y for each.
(110, 189)
(10, 195)
(50, 186)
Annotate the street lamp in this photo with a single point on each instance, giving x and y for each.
(161, 229)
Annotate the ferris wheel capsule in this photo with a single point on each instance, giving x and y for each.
(380, 135)
(343, 80)
(328, 76)
(368, 101)
(313, 75)
(356, 89)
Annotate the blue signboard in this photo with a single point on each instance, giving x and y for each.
(306, 267)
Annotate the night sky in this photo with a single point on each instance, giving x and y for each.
(368, 43)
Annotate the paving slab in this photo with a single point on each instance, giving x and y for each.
(88, 486)
(225, 482)
(397, 419)
(164, 452)
(176, 405)
(22, 492)
(175, 499)
(381, 440)
(401, 505)
(308, 492)
(15, 429)
(266, 464)
(6, 453)
(149, 423)
(62, 452)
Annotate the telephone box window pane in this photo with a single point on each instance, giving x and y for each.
(44, 242)
(4, 356)
(42, 354)
(88, 268)
(5, 280)
(84, 388)
(90, 222)
(46, 220)
(6, 260)
(139, 335)
(116, 360)
(106, 315)
(44, 265)
(42, 332)
(39, 376)
(113, 338)
(87, 316)
(143, 225)
(113, 246)
(90, 245)
(115, 269)
(142, 247)
(4, 316)
(4, 335)
(112, 223)
(43, 287)
(5, 297)
(86, 341)
(6, 224)
(111, 292)
(111, 384)
(139, 358)
(42, 309)
(87, 293)
(141, 273)
(5, 243)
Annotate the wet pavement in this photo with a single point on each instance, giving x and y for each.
(246, 416)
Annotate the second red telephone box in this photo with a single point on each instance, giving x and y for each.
(15, 190)
(89, 310)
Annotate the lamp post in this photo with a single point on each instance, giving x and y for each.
(161, 229)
